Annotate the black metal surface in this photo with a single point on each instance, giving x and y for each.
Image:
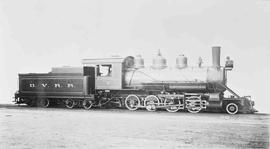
(57, 84)
(189, 87)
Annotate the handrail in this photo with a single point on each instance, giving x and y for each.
(231, 91)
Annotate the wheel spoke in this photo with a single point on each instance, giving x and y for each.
(70, 103)
(43, 102)
(87, 104)
(232, 108)
(175, 105)
(193, 104)
(132, 102)
(151, 102)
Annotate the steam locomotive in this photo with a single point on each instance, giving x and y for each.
(126, 82)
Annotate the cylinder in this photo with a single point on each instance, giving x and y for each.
(139, 62)
(159, 62)
(129, 62)
(181, 61)
(216, 56)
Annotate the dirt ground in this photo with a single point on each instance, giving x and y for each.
(24, 127)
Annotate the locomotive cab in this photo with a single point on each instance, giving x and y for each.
(108, 72)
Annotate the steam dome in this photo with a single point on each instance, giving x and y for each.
(159, 62)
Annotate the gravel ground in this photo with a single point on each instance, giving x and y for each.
(24, 127)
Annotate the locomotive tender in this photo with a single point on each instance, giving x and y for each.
(127, 82)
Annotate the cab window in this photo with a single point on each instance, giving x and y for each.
(104, 70)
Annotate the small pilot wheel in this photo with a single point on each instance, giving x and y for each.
(151, 102)
(43, 102)
(132, 102)
(232, 108)
(70, 103)
(87, 104)
(172, 105)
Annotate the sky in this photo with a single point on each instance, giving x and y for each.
(36, 35)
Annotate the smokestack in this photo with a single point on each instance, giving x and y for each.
(216, 56)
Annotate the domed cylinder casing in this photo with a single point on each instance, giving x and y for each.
(159, 62)
(139, 62)
(181, 61)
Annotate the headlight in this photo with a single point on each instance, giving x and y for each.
(248, 97)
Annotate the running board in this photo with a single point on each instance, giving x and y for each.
(228, 89)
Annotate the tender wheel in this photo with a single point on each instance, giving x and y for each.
(232, 108)
(175, 105)
(87, 104)
(132, 102)
(31, 103)
(151, 102)
(70, 103)
(43, 102)
(193, 104)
